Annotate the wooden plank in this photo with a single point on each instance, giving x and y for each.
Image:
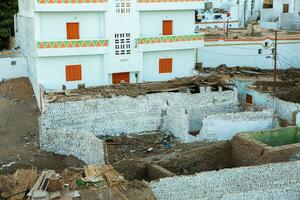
(25, 180)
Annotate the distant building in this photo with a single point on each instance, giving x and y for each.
(100, 42)
(278, 14)
(271, 14)
(216, 14)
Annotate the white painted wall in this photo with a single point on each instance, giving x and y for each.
(298, 119)
(176, 122)
(183, 64)
(269, 15)
(283, 109)
(53, 25)
(122, 23)
(247, 55)
(27, 39)
(151, 22)
(52, 75)
(225, 126)
(9, 71)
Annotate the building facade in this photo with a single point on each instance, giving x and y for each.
(215, 15)
(271, 14)
(100, 42)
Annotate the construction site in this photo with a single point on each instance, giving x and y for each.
(224, 134)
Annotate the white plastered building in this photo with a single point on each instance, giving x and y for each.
(214, 15)
(271, 14)
(101, 42)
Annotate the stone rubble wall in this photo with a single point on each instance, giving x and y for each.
(83, 145)
(176, 122)
(263, 182)
(126, 115)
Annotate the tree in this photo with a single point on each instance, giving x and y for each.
(7, 10)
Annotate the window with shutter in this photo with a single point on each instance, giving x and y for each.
(73, 73)
(165, 65)
(73, 31)
(167, 27)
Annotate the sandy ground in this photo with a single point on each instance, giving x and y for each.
(19, 143)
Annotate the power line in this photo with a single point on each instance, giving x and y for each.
(293, 64)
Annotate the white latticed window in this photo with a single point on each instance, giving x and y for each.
(122, 43)
(123, 6)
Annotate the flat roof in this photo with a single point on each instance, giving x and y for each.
(213, 34)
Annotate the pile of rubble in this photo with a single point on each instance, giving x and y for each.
(91, 182)
(187, 84)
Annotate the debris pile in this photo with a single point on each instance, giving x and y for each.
(187, 84)
(103, 181)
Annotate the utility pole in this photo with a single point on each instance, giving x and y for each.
(275, 63)
(245, 3)
(227, 25)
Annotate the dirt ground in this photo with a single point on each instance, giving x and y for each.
(19, 143)
(129, 154)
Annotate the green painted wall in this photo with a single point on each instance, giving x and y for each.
(278, 137)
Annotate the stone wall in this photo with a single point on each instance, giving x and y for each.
(126, 115)
(83, 145)
(176, 122)
(225, 126)
(257, 182)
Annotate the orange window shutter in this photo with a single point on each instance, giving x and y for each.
(161, 66)
(73, 73)
(167, 27)
(165, 65)
(169, 63)
(72, 31)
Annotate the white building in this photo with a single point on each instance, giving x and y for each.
(99, 42)
(271, 14)
(214, 15)
(281, 14)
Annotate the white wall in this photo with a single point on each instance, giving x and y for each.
(270, 14)
(183, 64)
(151, 22)
(298, 119)
(52, 26)
(225, 126)
(27, 38)
(283, 109)
(116, 23)
(9, 71)
(247, 55)
(176, 122)
(52, 75)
